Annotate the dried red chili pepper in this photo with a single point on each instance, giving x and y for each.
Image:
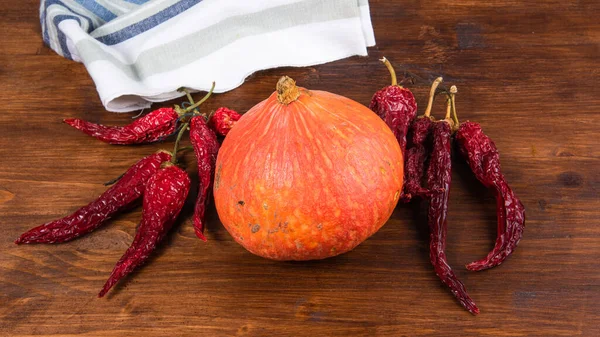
(152, 127)
(417, 152)
(439, 176)
(206, 148)
(483, 158)
(165, 195)
(396, 105)
(223, 120)
(121, 195)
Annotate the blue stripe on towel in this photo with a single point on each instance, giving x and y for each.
(49, 3)
(148, 23)
(62, 39)
(97, 9)
(137, 2)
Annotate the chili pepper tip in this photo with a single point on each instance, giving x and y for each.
(200, 236)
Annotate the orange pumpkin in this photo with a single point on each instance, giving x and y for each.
(306, 175)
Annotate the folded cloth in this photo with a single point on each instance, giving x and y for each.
(141, 51)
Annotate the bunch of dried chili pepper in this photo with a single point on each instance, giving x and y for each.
(483, 159)
(163, 185)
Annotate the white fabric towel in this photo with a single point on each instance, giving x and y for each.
(141, 51)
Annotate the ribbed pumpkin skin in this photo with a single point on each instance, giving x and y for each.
(308, 180)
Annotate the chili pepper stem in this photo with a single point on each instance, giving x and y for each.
(391, 70)
(194, 106)
(209, 116)
(185, 148)
(176, 147)
(453, 91)
(185, 126)
(190, 98)
(448, 109)
(434, 86)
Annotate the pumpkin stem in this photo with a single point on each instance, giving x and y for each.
(287, 91)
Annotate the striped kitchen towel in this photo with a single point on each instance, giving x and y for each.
(141, 51)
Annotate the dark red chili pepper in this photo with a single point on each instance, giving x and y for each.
(206, 148)
(223, 120)
(439, 176)
(165, 195)
(396, 106)
(121, 195)
(418, 150)
(416, 155)
(483, 158)
(152, 127)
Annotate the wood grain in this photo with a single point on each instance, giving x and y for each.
(527, 71)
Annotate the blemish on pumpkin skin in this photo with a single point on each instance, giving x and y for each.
(320, 226)
(265, 206)
(283, 227)
(218, 176)
(255, 228)
(241, 203)
(396, 195)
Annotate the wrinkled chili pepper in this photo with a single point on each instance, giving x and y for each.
(417, 152)
(206, 148)
(165, 195)
(223, 120)
(439, 176)
(396, 105)
(121, 195)
(483, 158)
(150, 128)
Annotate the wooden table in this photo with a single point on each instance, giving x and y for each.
(527, 71)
